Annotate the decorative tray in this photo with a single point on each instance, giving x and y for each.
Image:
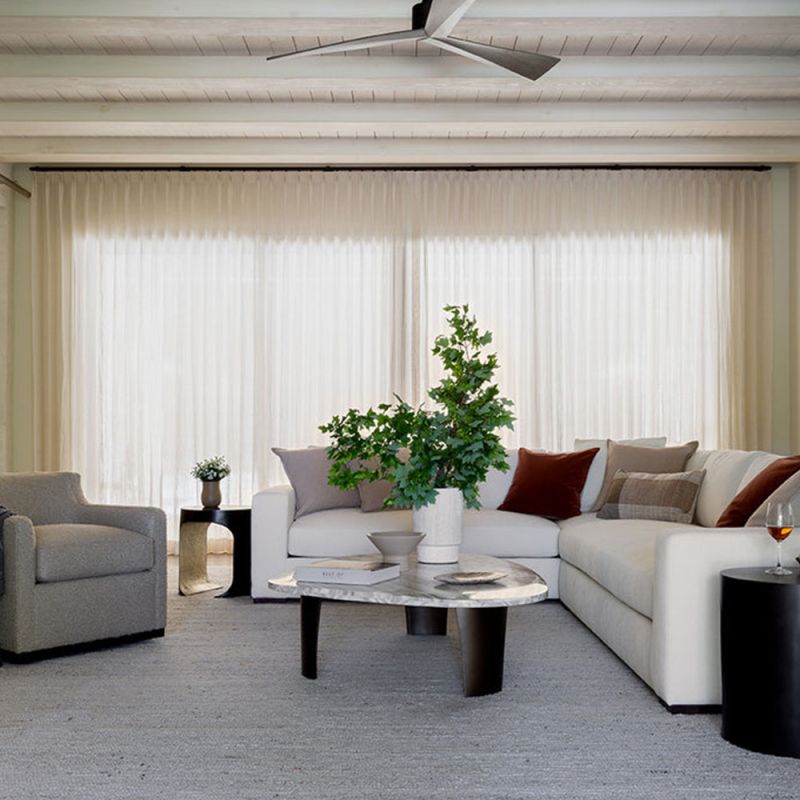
(469, 578)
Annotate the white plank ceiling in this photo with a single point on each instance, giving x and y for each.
(187, 81)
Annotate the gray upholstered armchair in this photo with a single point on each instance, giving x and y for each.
(76, 573)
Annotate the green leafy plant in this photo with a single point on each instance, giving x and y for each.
(212, 469)
(451, 446)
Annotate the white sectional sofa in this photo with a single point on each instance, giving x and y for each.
(649, 590)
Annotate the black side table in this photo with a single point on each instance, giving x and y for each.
(192, 567)
(761, 660)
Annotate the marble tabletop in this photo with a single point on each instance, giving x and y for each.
(417, 587)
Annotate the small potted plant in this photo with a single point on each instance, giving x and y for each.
(452, 446)
(211, 472)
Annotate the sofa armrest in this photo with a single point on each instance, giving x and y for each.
(273, 515)
(686, 605)
(19, 575)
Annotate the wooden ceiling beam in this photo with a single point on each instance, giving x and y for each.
(713, 118)
(112, 68)
(122, 151)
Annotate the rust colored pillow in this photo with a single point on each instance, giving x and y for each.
(549, 484)
(742, 506)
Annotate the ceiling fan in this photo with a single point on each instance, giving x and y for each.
(431, 22)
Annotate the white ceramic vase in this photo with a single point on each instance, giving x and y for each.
(441, 522)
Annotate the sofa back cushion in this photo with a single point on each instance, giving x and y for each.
(725, 470)
(494, 489)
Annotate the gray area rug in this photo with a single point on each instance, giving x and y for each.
(218, 709)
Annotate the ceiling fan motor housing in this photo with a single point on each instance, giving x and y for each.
(419, 14)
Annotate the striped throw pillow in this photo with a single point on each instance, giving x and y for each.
(667, 496)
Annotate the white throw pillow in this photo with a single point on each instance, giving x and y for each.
(597, 472)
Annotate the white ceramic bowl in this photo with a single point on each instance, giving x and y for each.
(396, 546)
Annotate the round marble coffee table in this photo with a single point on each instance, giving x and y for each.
(481, 610)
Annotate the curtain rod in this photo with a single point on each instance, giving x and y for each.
(427, 168)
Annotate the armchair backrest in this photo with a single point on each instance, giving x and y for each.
(45, 498)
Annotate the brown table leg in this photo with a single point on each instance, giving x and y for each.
(309, 635)
(483, 642)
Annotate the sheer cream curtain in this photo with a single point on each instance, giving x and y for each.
(182, 315)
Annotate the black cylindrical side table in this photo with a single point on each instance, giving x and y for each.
(760, 641)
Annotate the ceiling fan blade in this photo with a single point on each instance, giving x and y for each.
(379, 40)
(444, 15)
(528, 65)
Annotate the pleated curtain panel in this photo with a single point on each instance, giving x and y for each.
(183, 315)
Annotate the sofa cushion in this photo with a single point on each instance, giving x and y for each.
(597, 472)
(748, 499)
(494, 489)
(724, 472)
(619, 554)
(69, 552)
(549, 484)
(504, 534)
(343, 532)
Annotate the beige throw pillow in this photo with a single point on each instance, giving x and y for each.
(668, 496)
(630, 458)
(787, 492)
(597, 472)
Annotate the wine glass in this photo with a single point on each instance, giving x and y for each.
(780, 523)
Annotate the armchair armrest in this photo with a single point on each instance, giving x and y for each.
(19, 575)
(273, 515)
(150, 522)
(686, 606)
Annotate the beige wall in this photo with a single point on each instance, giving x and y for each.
(22, 333)
(17, 449)
(793, 409)
(6, 211)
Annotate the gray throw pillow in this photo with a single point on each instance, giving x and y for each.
(307, 471)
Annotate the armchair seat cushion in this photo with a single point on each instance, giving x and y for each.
(69, 552)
